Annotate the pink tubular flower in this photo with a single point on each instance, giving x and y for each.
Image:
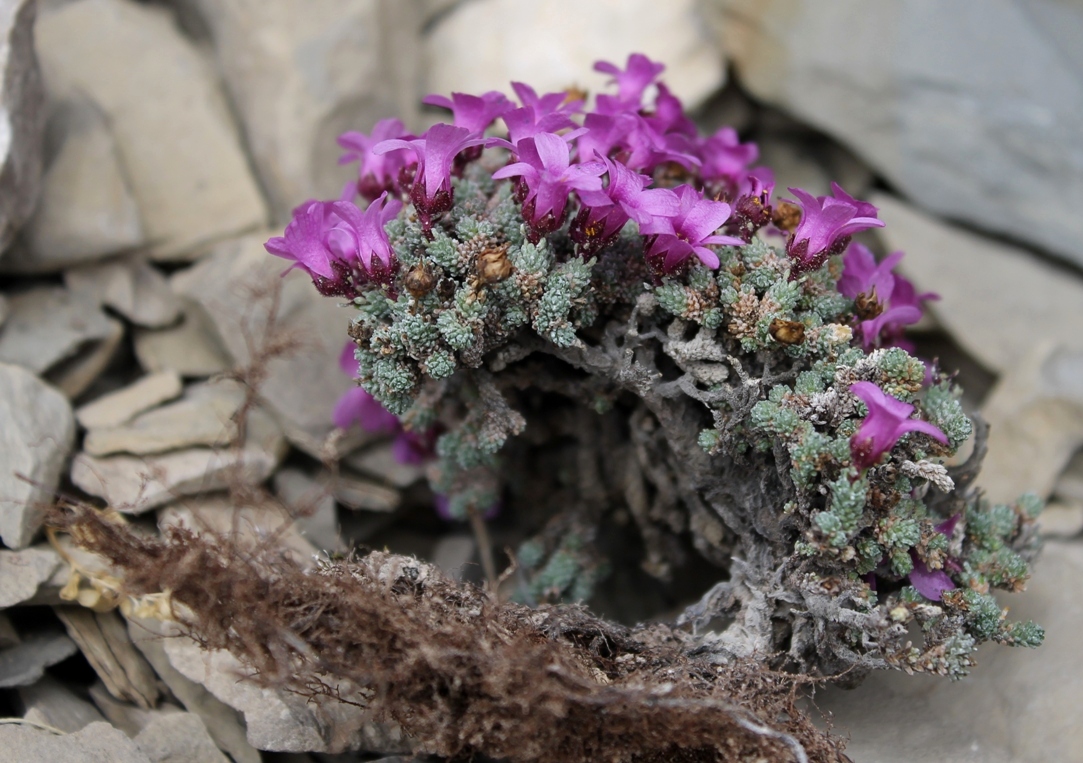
(888, 420)
(725, 161)
(359, 237)
(886, 302)
(826, 224)
(545, 168)
(376, 173)
(677, 237)
(357, 406)
(305, 242)
(631, 81)
(932, 583)
(546, 113)
(474, 112)
(626, 197)
(431, 192)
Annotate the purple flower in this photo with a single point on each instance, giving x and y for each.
(631, 82)
(885, 301)
(669, 117)
(724, 161)
(360, 236)
(888, 420)
(932, 583)
(431, 192)
(376, 173)
(677, 237)
(604, 212)
(357, 406)
(546, 113)
(752, 209)
(545, 168)
(474, 112)
(826, 224)
(305, 242)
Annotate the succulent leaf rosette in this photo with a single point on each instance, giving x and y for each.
(579, 314)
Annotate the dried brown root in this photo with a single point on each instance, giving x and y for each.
(461, 673)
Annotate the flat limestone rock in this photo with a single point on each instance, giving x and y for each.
(203, 416)
(86, 210)
(178, 738)
(25, 663)
(312, 506)
(995, 300)
(36, 436)
(1017, 706)
(234, 284)
(75, 375)
(103, 639)
(48, 324)
(22, 117)
(357, 493)
(124, 404)
(978, 122)
(96, 743)
(379, 461)
(187, 169)
(133, 485)
(21, 572)
(132, 287)
(53, 704)
(193, 348)
(540, 44)
(300, 74)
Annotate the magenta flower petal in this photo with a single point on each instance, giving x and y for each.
(887, 421)
(929, 583)
(826, 222)
(474, 112)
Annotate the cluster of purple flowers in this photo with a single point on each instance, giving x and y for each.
(885, 301)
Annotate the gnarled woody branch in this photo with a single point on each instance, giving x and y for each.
(461, 673)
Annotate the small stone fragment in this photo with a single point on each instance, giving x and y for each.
(21, 572)
(53, 704)
(25, 662)
(48, 324)
(96, 743)
(357, 493)
(121, 406)
(312, 506)
(132, 287)
(75, 375)
(192, 348)
(1061, 519)
(379, 461)
(178, 738)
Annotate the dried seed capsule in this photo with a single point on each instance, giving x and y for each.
(787, 332)
(420, 280)
(867, 306)
(493, 264)
(786, 216)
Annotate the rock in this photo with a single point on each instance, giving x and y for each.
(4, 309)
(21, 572)
(51, 703)
(75, 375)
(8, 636)
(205, 415)
(247, 524)
(22, 118)
(132, 287)
(312, 506)
(222, 722)
(1061, 519)
(192, 349)
(178, 738)
(540, 44)
(25, 662)
(48, 324)
(357, 493)
(944, 117)
(1018, 705)
(103, 639)
(453, 552)
(124, 715)
(995, 300)
(185, 163)
(35, 438)
(1070, 484)
(302, 74)
(1035, 413)
(379, 461)
(124, 404)
(86, 210)
(235, 285)
(97, 743)
(134, 485)
(276, 721)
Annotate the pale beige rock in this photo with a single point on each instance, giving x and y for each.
(36, 436)
(124, 404)
(379, 461)
(86, 210)
(356, 493)
(173, 131)
(554, 45)
(234, 285)
(1061, 518)
(203, 416)
(1035, 414)
(312, 505)
(300, 74)
(48, 324)
(996, 301)
(51, 703)
(453, 552)
(134, 485)
(178, 738)
(25, 663)
(996, 93)
(192, 349)
(75, 375)
(21, 572)
(1070, 484)
(124, 715)
(131, 286)
(22, 118)
(223, 723)
(103, 639)
(1018, 706)
(97, 743)
(249, 525)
